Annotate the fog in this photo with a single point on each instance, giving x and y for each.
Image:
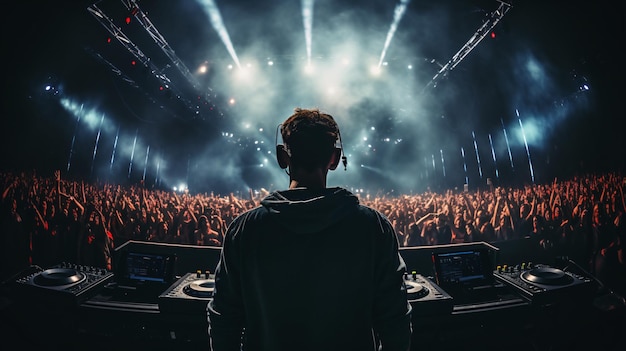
(369, 64)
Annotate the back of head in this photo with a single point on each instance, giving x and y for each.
(310, 138)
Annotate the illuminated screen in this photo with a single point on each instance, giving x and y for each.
(147, 267)
(463, 268)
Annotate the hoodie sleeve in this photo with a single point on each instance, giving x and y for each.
(226, 311)
(392, 311)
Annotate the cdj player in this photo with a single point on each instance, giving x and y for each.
(190, 294)
(430, 298)
(63, 283)
(544, 284)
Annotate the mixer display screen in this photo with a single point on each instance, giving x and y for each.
(462, 268)
(148, 267)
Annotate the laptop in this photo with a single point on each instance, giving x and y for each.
(142, 276)
(466, 274)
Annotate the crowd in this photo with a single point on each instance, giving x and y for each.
(45, 220)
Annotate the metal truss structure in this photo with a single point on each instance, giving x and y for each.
(128, 44)
(158, 73)
(113, 68)
(492, 20)
(134, 9)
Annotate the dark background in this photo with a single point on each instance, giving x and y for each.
(532, 71)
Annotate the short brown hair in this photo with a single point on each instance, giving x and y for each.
(310, 137)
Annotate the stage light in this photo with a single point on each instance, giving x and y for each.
(308, 69)
(127, 20)
(375, 71)
(493, 35)
(51, 90)
(244, 74)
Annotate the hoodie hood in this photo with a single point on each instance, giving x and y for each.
(304, 211)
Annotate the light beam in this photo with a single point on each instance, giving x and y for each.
(398, 13)
(307, 20)
(530, 163)
(211, 9)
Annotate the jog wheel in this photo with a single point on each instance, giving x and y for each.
(59, 277)
(200, 288)
(547, 276)
(415, 290)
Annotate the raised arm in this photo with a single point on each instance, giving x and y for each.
(12, 185)
(496, 212)
(44, 223)
(621, 193)
(553, 193)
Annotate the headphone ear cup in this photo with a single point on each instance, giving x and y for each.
(336, 159)
(282, 156)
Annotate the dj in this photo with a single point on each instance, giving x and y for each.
(311, 268)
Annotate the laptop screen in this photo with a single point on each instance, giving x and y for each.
(463, 269)
(146, 268)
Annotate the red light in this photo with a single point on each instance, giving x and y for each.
(161, 88)
(127, 20)
(109, 40)
(493, 35)
(133, 62)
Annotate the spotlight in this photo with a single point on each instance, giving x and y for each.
(308, 69)
(375, 71)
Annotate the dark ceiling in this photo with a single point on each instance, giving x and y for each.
(572, 43)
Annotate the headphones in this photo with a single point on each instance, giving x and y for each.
(279, 147)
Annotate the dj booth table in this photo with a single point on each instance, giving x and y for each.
(163, 308)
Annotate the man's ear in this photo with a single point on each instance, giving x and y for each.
(282, 156)
(336, 157)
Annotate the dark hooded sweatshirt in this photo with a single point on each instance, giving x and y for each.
(310, 270)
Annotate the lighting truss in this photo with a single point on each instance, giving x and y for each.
(493, 19)
(117, 32)
(128, 80)
(127, 43)
(113, 68)
(133, 7)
